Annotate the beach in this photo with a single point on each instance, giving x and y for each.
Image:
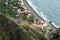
(36, 15)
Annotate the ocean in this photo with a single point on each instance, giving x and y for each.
(47, 9)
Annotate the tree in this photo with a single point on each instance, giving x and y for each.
(24, 16)
(31, 19)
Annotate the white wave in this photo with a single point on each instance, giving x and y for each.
(40, 14)
(33, 6)
(43, 16)
(55, 25)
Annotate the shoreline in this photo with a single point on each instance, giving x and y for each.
(37, 16)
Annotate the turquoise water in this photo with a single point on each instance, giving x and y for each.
(50, 9)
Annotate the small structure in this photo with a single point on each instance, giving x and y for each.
(28, 11)
(19, 11)
(41, 22)
(35, 22)
(29, 15)
(19, 2)
(17, 15)
(22, 3)
(24, 7)
(45, 24)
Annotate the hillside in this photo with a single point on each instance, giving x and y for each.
(55, 35)
(11, 31)
(17, 22)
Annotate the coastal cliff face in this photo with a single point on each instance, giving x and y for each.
(11, 31)
(55, 35)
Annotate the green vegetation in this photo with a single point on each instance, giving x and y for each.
(24, 16)
(31, 20)
(55, 35)
(9, 7)
(11, 31)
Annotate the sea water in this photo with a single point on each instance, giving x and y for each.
(49, 8)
